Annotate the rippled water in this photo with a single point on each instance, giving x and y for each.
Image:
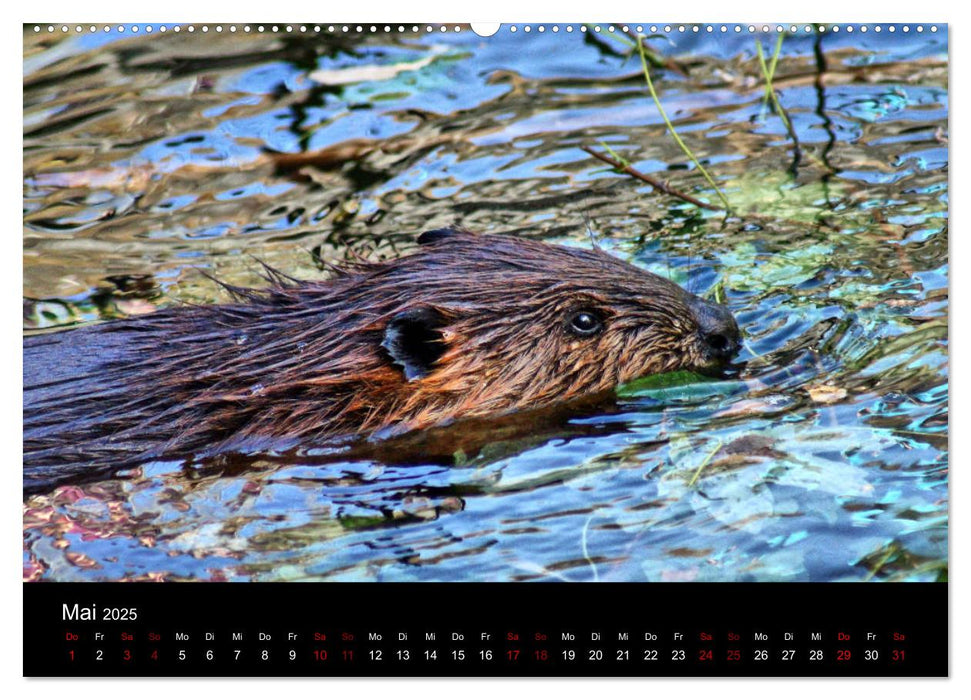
(149, 157)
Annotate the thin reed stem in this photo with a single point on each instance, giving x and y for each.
(670, 126)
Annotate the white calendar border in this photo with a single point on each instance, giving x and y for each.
(937, 11)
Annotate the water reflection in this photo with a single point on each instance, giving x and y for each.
(148, 157)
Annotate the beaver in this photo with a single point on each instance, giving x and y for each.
(469, 325)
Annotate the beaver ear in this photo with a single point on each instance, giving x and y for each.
(414, 340)
(441, 234)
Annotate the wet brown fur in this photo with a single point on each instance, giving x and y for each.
(304, 360)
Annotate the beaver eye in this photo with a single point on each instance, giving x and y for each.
(585, 323)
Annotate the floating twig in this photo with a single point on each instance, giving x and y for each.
(652, 181)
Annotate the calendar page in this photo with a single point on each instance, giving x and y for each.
(546, 349)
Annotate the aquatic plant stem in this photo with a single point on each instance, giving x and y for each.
(768, 71)
(704, 463)
(771, 96)
(880, 564)
(619, 164)
(674, 134)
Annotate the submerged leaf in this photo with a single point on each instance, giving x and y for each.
(682, 385)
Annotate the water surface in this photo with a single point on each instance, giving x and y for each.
(149, 157)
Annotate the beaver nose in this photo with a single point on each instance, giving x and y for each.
(717, 329)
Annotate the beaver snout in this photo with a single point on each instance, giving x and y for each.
(718, 330)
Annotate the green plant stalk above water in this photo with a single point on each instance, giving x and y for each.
(770, 96)
(670, 126)
(770, 72)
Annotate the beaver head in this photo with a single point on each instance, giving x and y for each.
(489, 324)
(468, 325)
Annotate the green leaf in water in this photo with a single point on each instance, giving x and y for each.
(682, 385)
